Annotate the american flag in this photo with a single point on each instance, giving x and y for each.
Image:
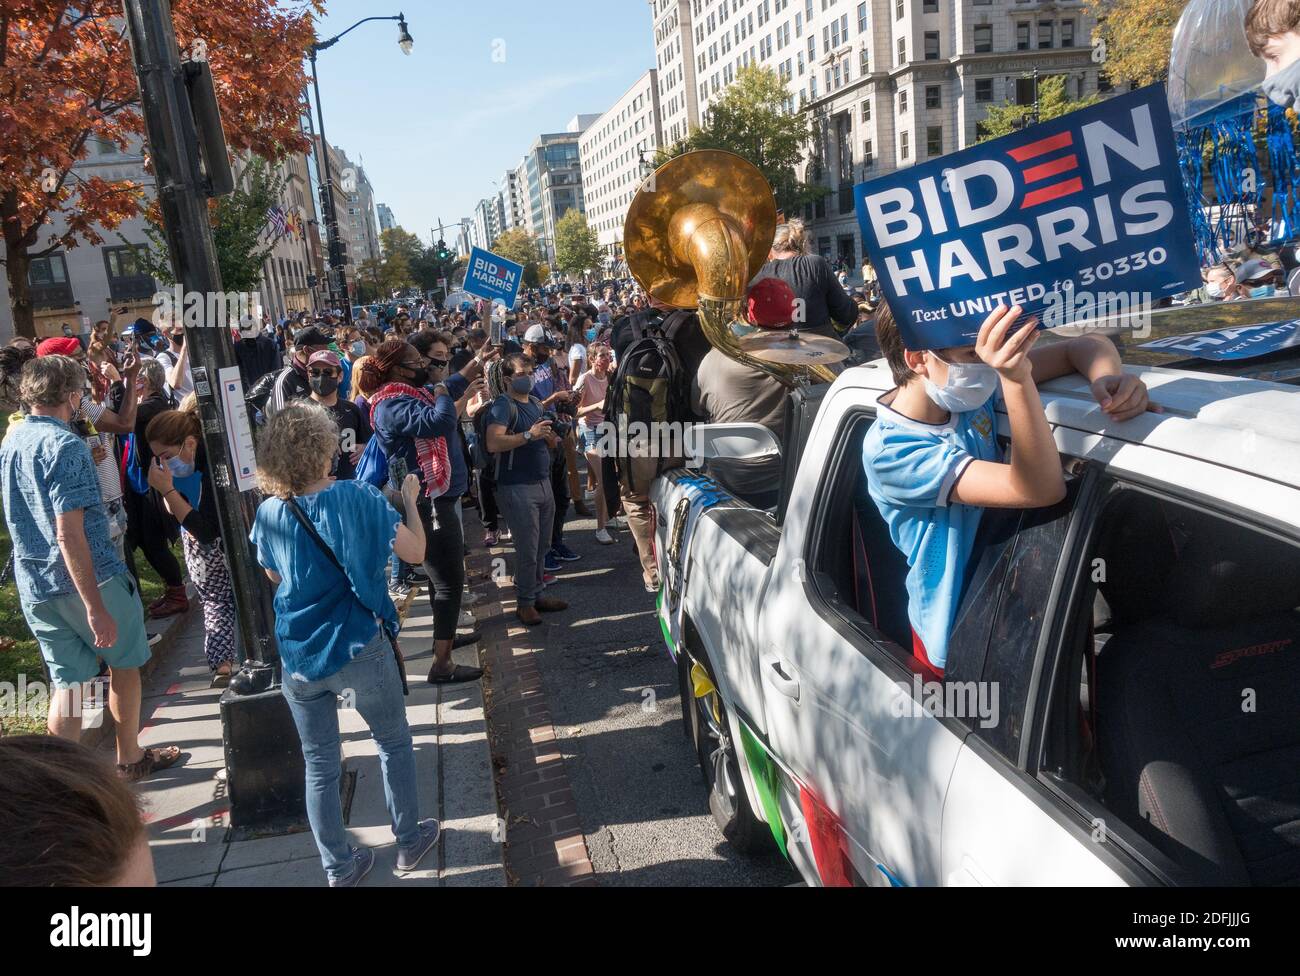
(277, 218)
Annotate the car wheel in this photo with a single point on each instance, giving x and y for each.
(719, 757)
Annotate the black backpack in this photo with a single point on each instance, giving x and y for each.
(650, 385)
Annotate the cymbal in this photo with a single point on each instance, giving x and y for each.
(792, 348)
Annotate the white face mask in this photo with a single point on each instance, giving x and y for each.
(968, 387)
(1214, 289)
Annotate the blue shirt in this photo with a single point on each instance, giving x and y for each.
(911, 468)
(47, 471)
(544, 380)
(345, 381)
(399, 420)
(321, 619)
(528, 463)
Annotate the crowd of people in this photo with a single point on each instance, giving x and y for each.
(372, 438)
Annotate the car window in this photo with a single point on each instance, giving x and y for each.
(859, 576)
(1173, 722)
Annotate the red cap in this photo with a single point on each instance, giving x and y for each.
(771, 304)
(59, 346)
(326, 357)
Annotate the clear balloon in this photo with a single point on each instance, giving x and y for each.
(1210, 64)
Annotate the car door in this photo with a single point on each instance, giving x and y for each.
(838, 702)
(1000, 826)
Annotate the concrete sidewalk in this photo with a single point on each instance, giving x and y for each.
(186, 806)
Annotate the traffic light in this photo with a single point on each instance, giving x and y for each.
(443, 252)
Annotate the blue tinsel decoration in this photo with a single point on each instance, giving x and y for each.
(1189, 165)
(1284, 162)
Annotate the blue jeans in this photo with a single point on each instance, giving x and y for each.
(369, 683)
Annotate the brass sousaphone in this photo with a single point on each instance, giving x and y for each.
(697, 232)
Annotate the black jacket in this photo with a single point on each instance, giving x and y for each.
(256, 358)
(811, 278)
(277, 388)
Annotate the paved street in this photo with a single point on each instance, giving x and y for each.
(612, 691)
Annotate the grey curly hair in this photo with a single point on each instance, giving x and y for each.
(49, 380)
(294, 447)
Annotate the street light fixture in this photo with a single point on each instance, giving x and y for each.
(337, 281)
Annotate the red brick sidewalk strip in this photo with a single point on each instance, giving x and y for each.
(543, 833)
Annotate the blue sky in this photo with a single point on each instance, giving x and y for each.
(436, 128)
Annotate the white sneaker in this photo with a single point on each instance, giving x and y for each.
(604, 538)
(466, 619)
(617, 522)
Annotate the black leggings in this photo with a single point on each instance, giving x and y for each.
(147, 531)
(487, 500)
(609, 484)
(444, 559)
(560, 489)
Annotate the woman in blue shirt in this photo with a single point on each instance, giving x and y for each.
(333, 618)
(414, 416)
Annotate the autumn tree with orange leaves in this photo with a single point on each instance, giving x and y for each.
(66, 77)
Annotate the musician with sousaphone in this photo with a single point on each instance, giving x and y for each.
(697, 233)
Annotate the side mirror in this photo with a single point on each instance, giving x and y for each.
(741, 442)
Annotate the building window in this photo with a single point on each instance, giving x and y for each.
(1045, 33)
(983, 89)
(983, 39)
(902, 102)
(930, 7)
(934, 140)
(126, 277)
(868, 155)
(1104, 84)
(902, 50)
(898, 9)
(862, 18)
(1067, 33)
(48, 279)
(905, 144)
(866, 111)
(932, 96)
(864, 62)
(1022, 35)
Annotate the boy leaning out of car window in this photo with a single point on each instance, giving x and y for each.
(932, 459)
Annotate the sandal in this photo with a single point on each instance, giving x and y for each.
(152, 761)
(460, 674)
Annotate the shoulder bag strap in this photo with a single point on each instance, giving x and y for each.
(306, 523)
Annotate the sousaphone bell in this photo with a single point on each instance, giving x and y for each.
(698, 230)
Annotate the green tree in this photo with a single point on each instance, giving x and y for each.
(1052, 103)
(577, 248)
(519, 246)
(397, 241)
(751, 121)
(243, 235)
(1135, 37)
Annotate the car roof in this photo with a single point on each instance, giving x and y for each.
(1247, 425)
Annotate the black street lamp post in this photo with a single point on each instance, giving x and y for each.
(338, 289)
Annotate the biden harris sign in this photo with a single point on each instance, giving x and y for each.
(491, 276)
(1059, 219)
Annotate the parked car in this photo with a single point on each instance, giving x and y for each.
(1121, 704)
